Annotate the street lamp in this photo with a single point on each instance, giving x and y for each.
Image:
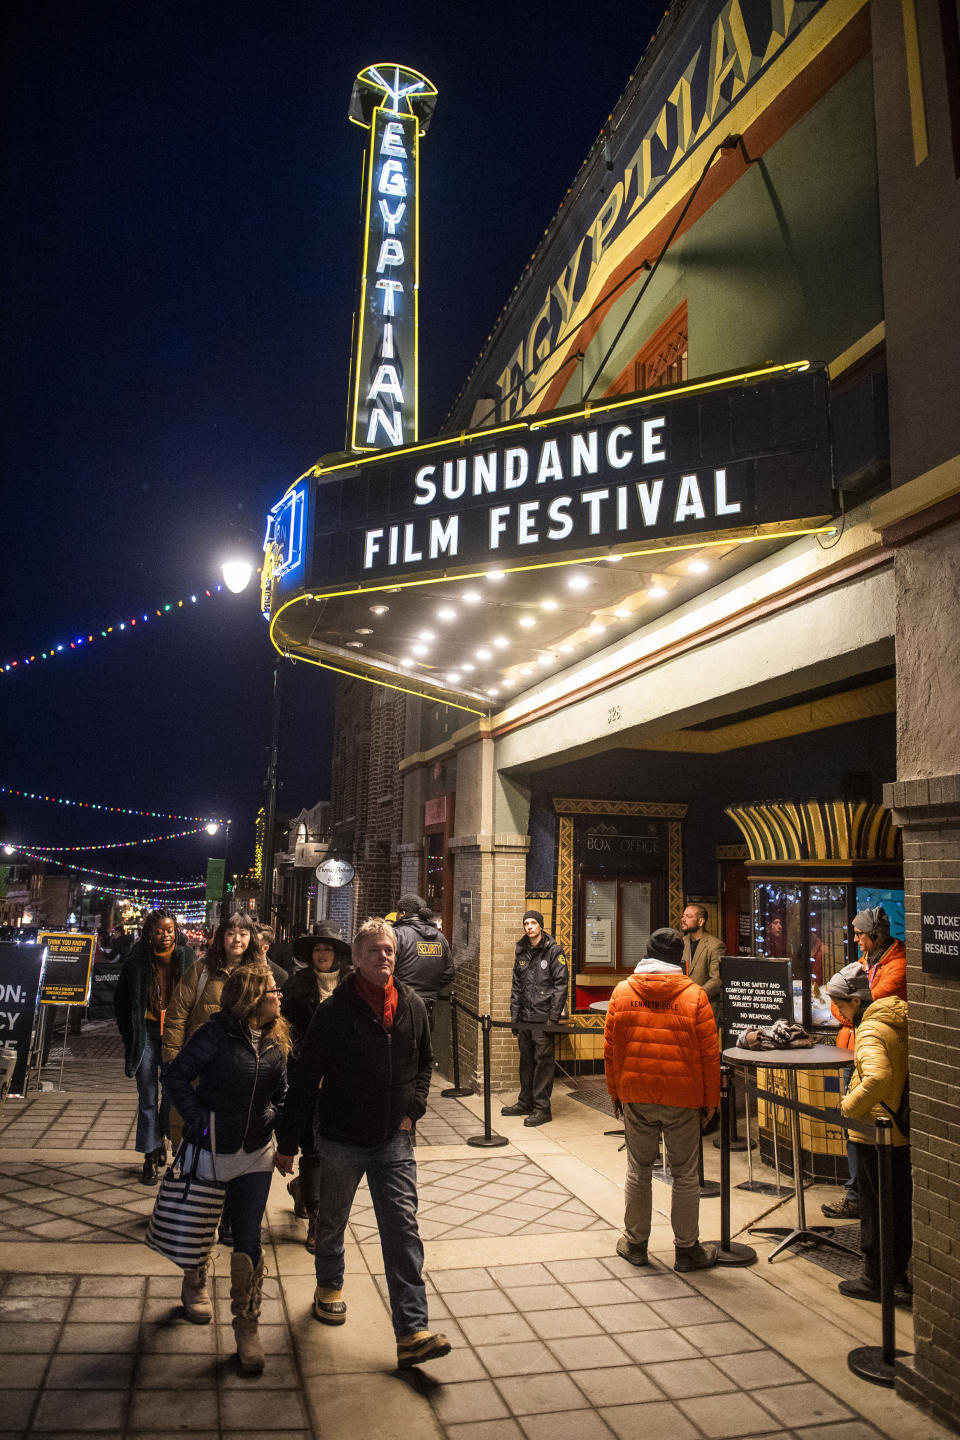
(211, 828)
(237, 575)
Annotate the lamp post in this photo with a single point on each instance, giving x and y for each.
(237, 574)
(212, 829)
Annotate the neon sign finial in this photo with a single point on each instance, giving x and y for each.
(394, 104)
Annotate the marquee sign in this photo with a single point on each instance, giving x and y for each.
(395, 104)
(697, 462)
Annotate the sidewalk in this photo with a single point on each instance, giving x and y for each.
(555, 1337)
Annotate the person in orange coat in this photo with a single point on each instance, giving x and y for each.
(885, 961)
(662, 1064)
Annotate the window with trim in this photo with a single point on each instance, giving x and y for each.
(661, 361)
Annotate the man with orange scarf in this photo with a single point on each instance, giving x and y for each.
(362, 1077)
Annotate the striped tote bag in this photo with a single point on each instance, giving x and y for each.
(186, 1214)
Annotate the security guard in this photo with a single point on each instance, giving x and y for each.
(538, 997)
(423, 955)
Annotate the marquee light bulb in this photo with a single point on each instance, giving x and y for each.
(483, 654)
(500, 642)
(471, 597)
(578, 582)
(548, 605)
(656, 592)
(427, 635)
(379, 609)
(527, 621)
(698, 567)
(496, 575)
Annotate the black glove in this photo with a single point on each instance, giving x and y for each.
(193, 1132)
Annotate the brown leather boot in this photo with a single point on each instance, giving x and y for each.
(246, 1292)
(194, 1295)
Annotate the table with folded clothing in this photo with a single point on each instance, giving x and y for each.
(791, 1063)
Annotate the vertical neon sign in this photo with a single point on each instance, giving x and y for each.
(394, 103)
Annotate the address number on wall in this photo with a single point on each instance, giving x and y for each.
(613, 714)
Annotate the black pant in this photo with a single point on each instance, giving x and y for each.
(868, 1186)
(536, 1069)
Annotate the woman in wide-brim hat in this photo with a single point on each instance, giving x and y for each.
(325, 958)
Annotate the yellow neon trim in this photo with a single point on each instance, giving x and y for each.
(416, 277)
(538, 422)
(430, 92)
(731, 538)
(371, 162)
(282, 650)
(589, 409)
(911, 45)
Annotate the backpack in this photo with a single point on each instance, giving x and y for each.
(901, 1116)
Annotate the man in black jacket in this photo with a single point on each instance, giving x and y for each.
(537, 997)
(423, 955)
(365, 1068)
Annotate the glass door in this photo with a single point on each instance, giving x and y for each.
(617, 920)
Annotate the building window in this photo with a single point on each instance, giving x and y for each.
(661, 361)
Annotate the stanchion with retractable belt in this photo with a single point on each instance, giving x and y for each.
(729, 1252)
(456, 1090)
(877, 1363)
(488, 1139)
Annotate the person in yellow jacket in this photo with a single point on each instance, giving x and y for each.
(880, 1063)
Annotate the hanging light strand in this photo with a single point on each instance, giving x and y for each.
(112, 809)
(119, 844)
(92, 636)
(197, 884)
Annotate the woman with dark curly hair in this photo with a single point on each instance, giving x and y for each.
(238, 1061)
(145, 988)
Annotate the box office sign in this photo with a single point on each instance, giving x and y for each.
(668, 468)
(66, 974)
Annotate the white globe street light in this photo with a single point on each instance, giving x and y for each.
(236, 575)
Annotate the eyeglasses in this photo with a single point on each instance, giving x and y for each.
(271, 992)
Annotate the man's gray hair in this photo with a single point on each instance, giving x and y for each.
(375, 925)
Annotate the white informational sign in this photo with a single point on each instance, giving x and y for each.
(598, 950)
(335, 873)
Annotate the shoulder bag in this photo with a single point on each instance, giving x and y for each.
(187, 1210)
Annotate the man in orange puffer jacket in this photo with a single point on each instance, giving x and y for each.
(662, 1064)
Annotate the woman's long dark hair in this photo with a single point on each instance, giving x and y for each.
(216, 955)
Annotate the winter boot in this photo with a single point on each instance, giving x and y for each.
(694, 1257)
(194, 1295)
(421, 1345)
(246, 1292)
(149, 1174)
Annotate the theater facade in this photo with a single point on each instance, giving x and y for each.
(668, 612)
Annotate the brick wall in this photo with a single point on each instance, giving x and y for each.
(928, 811)
(494, 867)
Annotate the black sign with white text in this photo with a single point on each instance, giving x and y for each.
(20, 966)
(663, 468)
(940, 934)
(755, 994)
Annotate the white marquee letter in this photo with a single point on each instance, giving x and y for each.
(649, 497)
(426, 488)
(689, 501)
(653, 441)
(371, 546)
(723, 507)
(615, 456)
(498, 523)
(514, 469)
(444, 535)
(559, 512)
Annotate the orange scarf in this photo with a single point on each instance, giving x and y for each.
(382, 1000)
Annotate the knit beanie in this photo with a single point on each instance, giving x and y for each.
(533, 915)
(850, 983)
(666, 944)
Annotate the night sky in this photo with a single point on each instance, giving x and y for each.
(181, 198)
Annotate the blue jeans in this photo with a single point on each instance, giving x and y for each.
(243, 1205)
(153, 1114)
(391, 1172)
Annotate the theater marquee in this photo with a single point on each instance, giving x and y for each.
(694, 462)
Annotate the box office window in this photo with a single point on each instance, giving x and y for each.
(617, 920)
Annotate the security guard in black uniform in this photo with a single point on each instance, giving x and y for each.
(423, 955)
(538, 996)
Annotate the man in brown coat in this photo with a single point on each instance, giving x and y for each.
(701, 954)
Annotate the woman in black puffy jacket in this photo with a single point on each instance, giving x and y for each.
(238, 1060)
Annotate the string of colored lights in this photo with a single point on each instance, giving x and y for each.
(113, 809)
(157, 883)
(91, 636)
(120, 844)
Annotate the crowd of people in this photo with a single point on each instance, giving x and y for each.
(241, 1066)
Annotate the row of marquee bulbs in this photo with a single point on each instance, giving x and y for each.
(485, 653)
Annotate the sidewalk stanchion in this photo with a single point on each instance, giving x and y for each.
(709, 1189)
(761, 1187)
(456, 1091)
(729, 1252)
(877, 1363)
(487, 1139)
